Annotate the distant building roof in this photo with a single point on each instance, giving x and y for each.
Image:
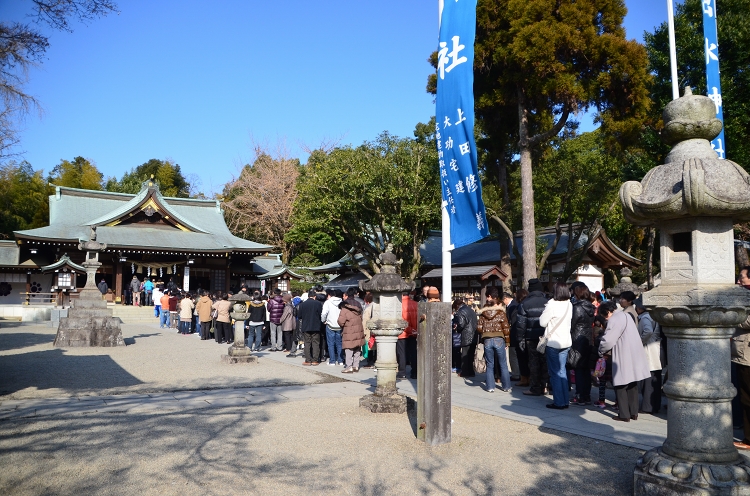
(145, 220)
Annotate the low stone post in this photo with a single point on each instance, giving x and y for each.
(386, 324)
(238, 352)
(693, 199)
(434, 345)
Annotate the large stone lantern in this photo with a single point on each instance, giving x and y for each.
(239, 352)
(386, 324)
(693, 199)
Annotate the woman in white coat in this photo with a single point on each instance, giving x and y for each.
(556, 319)
(629, 362)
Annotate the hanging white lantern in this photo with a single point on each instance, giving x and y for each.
(161, 272)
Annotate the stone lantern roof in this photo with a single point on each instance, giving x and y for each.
(693, 181)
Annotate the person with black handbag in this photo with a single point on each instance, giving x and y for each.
(579, 356)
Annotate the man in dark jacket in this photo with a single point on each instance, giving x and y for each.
(529, 331)
(309, 312)
(103, 288)
(466, 324)
(511, 305)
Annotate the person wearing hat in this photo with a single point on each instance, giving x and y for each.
(529, 331)
(651, 337)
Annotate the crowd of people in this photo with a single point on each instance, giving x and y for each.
(548, 343)
(565, 341)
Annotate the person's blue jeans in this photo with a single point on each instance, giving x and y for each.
(256, 332)
(197, 325)
(333, 338)
(184, 327)
(157, 310)
(494, 350)
(164, 319)
(558, 377)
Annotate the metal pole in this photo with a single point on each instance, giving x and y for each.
(447, 247)
(672, 51)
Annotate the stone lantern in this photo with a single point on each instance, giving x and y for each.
(693, 199)
(386, 324)
(238, 351)
(625, 284)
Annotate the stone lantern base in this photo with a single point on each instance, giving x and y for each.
(238, 352)
(659, 474)
(390, 403)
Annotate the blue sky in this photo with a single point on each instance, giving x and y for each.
(200, 82)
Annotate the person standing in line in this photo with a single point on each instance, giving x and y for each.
(741, 359)
(330, 316)
(309, 312)
(406, 346)
(529, 332)
(257, 310)
(135, 288)
(288, 322)
(651, 339)
(556, 320)
(148, 288)
(352, 333)
(186, 314)
(203, 307)
(275, 308)
(223, 321)
(510, 310)
(582, 329)
(521, 354)
(493, 326)
(173, 307)
(157, 294)
(629, 362)
(164, 309)
(466, 326)
(626, 302)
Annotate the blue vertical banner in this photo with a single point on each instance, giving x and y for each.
(711, 35)
(454, 123)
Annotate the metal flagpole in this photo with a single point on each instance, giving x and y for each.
(672, 51)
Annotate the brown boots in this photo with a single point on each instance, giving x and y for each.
(524, 382)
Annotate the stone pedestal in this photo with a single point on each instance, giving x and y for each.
(434, 343)
(387, 288)
(239, 352)
(386, 398)
(694, 199)
(89, 321)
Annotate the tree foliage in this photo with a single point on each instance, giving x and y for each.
(166, 173)
(537, 63)
(385, 191)
(733, 22)
(258, 204)
(80, 173)
(23, 198)
(578, 182)
(23, 46)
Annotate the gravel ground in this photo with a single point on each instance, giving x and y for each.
(316, 446)
(154, 360)
(304, 447)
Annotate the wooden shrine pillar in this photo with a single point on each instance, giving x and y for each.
(118, 282)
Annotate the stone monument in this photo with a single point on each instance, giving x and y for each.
(386, 324)
(625, 284)
(238, 352)
(434, 373)
(89, 321)
(693, 199)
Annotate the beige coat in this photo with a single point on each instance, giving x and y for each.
(203, 307)
(223, 307)
(186, 309)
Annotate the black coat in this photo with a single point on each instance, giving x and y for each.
(527, 316)
(466, 324)
(512, 311)
(581, 328)
(308, 312)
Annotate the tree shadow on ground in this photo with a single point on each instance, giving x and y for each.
(18, 340)
(58, 370)
(131, 340)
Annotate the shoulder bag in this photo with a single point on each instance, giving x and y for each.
(542, 346)
(480, 366)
